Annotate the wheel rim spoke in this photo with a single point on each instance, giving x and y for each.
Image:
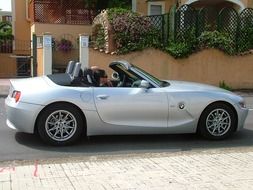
(61, 133)
(61, 125)
(214, 129)
(210, 126)
(218, 122)
(56, 132)
(54, 128)
(65, 118)
(69, 127)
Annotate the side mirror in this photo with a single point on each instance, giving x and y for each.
(144, 84)
(115, 76)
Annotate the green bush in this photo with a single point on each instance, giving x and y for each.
(223, 85)
(5, 30)
(188, 44)
(215, 39)
(100, 37)
(184, 45)
(245, 40)
(132, 31)
(114, 12)
(126, 4)
(179, 49)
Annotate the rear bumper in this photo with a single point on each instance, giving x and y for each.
(21, 116)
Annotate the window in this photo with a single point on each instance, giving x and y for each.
(7, 18)
(156, 8)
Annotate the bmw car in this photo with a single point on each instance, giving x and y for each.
(62, 108)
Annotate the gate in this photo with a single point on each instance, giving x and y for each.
(19, 57)
(65, 48)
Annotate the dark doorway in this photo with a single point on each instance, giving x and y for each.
(23, 67)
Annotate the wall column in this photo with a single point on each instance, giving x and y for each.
(47, 54)
(134, 5)
(84, 50)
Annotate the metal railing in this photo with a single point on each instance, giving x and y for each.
(179, 23)
(8, 45)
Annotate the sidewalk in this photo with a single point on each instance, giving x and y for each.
(4, 87)
(222, 169)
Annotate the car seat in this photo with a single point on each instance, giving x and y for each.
(70, 67)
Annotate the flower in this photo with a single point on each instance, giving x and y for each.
(64, 45)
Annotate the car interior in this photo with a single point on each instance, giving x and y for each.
(78, 77)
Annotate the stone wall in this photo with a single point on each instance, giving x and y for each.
(209, 66)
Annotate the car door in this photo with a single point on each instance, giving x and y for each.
(132, 106)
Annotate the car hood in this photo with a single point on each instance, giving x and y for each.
(192, 86)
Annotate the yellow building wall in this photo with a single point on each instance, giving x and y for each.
(8, 65)
(142, 5)
(57, 30)
(209, 66)
(22, 28)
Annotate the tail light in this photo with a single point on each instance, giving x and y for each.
(16, 95)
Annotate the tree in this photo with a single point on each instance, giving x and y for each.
(5, 28)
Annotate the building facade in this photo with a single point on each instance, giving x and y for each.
(157, 7)
(5, 16)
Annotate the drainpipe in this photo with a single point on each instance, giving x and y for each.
(27, 11)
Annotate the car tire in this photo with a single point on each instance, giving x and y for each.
(60, 124)
(218, 121)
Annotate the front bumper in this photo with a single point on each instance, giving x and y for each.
(242, 115)
(21, 116)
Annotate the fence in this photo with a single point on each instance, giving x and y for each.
(61, 12)
(8, 44)
(179, 23)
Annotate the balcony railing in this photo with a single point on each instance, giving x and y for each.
(7, 45)
(61, 12)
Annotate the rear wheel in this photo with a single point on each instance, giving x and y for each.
(218, 121)
(60, 124)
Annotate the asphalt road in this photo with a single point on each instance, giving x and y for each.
(20, 146)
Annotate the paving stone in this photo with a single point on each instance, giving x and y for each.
(202, 170)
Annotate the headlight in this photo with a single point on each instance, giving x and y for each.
(242, 104)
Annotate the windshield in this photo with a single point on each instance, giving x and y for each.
(151, 77)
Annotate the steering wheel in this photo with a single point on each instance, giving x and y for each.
(123, 81)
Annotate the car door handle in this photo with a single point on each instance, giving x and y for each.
(102, 97)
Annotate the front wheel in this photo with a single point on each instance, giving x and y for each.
(218, 121)
(60, 124)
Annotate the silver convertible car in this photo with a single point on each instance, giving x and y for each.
(63, 107)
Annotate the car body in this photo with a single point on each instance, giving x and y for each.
(137, 104)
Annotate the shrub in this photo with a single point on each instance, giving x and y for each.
(99, 34)
(184, 45)
(215, 39)
(223, 85)
(245, 41)
(179, 49)
(132, 31)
